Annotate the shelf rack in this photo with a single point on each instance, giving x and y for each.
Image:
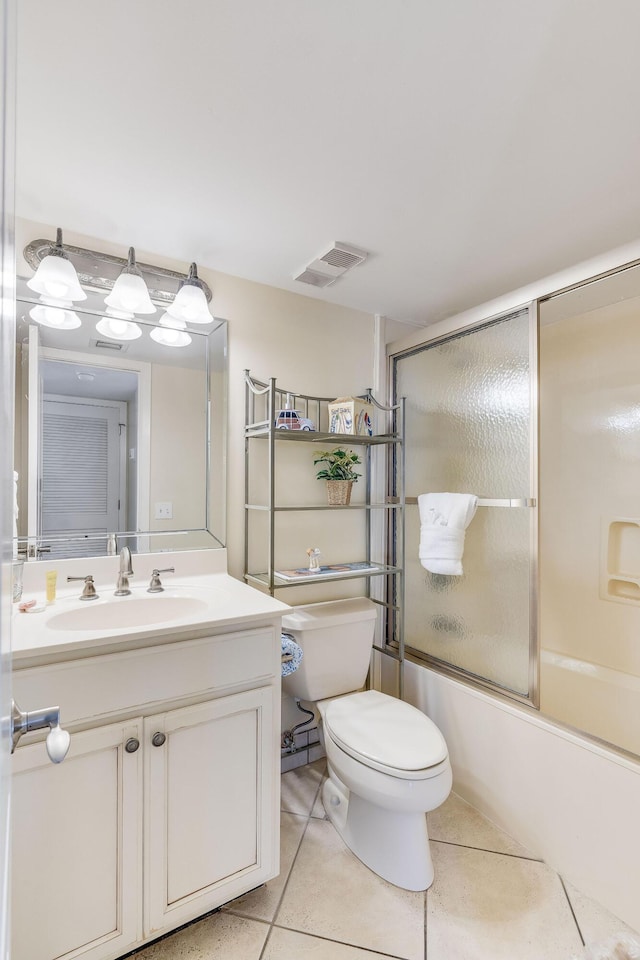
(384, 515)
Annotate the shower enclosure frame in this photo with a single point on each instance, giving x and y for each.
(532, 697)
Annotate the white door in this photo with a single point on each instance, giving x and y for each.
(7, 339)
(81, 492)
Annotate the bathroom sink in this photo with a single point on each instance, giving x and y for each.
(127, 612)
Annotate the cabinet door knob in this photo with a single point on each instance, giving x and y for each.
(158, 739)
(132, 745)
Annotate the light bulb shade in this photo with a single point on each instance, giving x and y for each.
(130, 295)
(55, 317)
(56, 279)
(117, 329)
(169, 336)
(166, 320)
(190, 305)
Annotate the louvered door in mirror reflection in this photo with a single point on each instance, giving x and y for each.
(82, 487)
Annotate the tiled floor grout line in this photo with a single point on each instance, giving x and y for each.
(573, 913)
(342, 943)
(426, 897)
(293, 863)
(499, 853)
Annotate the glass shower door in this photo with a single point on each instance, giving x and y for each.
(470, 428)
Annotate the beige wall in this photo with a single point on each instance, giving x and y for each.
(178, 446)
(309, 345)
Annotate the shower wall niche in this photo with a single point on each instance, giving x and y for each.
(620, 560)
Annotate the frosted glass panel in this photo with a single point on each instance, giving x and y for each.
(468, 423)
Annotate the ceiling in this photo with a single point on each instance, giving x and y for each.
(470, 147)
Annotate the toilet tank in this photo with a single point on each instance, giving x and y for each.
(336, 639)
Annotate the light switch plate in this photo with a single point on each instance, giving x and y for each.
(164, 510)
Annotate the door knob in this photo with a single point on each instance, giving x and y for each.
(58, 740)
(132, 745)
(158, 739)
(57, 744)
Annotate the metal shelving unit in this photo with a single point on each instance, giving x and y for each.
(383, 508)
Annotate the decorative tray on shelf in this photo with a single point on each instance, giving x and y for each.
(331, 571)
(327, 570)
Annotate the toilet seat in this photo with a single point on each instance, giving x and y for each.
(385, 734)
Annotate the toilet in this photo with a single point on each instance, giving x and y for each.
(388, 763)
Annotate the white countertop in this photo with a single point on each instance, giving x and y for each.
(211, 601)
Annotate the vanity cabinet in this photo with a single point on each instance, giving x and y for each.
(76, 847)
(158, 814)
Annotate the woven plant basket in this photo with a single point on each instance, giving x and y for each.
(339, 492)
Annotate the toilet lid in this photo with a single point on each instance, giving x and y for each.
(376, 728)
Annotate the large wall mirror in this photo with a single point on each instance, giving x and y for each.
(117, 441)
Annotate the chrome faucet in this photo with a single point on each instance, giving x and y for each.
(89, 590)
(125, 571)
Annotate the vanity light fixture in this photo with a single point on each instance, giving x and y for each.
(56, 279)
(190, 304)
(118, 329)
(130, 294)
(170, 333)
(55, 317)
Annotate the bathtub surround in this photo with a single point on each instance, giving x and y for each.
(571, 802)
(590, 511)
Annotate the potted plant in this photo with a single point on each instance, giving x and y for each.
(339, 473)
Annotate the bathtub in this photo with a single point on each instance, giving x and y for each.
(603, 702)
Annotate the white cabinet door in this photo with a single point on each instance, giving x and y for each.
(76, 847)
(210, 806)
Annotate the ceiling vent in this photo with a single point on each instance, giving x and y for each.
(343, 256)
(327, 268)
(315, 279)
(107, 345)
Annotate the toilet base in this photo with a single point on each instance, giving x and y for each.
(394, 845)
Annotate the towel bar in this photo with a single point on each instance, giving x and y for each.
(485, 502)
(286, 658)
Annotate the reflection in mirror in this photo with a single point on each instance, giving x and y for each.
(117, 436)
(589, 459)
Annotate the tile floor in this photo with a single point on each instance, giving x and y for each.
(491, 899)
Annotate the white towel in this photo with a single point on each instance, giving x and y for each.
(444, 518)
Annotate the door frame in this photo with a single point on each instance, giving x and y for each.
(8, 44)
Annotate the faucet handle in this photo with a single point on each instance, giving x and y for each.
(89, 590)
(156, 586)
